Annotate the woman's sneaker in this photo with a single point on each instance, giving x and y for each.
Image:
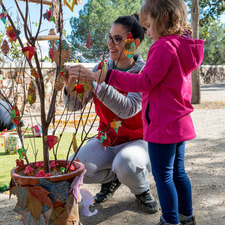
(148, 202)
(107, 190)
(184, 220)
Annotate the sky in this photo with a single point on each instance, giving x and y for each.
(34, 17)
(34, 12)
(46, 25)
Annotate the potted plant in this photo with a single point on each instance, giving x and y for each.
(48, 190)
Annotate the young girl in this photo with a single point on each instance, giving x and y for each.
(124, 159)
(165, 83)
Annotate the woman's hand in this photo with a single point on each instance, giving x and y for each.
(79, 72)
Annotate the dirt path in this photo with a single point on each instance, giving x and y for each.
(205, 163)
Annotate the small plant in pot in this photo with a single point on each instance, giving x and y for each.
(47, 190)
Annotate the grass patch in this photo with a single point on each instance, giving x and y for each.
(8, 162)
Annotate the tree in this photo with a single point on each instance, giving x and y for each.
(203, 12)
(97, 18)
(209, 11)
(214, 44)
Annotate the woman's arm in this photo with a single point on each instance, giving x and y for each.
(123, 106)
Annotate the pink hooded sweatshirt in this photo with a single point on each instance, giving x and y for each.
(166, 88)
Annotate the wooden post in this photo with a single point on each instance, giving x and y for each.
(196, 93)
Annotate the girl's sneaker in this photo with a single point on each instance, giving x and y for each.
(163, 222)
(184, 220)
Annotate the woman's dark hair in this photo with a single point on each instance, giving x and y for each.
(132, 24)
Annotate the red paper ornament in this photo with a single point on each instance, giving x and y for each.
(51, 140)
(11, 34)
(28, 51)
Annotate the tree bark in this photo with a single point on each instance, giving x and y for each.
(196, 93)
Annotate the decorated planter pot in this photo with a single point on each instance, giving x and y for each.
(31, 180)
(48, 200)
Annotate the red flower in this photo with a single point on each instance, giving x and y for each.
(48, 175)
(41, 173)
(28, 170)
(72, 168)
(20, 163)
(40, 164)
(52, 164)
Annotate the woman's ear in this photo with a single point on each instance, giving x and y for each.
(137, 42)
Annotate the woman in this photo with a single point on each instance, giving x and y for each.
(125, 158)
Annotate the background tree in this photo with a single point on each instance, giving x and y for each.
(214, 44)
(97, 17)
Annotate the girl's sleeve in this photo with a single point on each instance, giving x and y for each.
(156, 68)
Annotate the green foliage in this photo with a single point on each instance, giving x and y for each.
(97, 17)
(8, 162)
(214, 44)
(210, 11)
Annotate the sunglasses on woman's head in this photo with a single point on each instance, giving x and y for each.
(116, 39)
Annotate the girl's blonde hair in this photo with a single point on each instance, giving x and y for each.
(170, 16)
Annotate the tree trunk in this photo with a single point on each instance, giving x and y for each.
(196, 93)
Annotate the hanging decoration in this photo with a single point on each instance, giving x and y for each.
(11, 33)
(64, 72)
(31, 93)
(22, 152)
(65, 54)
(15, 115)
(116, 125)
(74, 143)
(59, 83)
(5, 47)
(51, 140)
(129, 48)
(3, 16)
(28, 51)
(88, 42)
(34, 73)
(82, 90)
(102, 138)
(70, 4)
(48, 15)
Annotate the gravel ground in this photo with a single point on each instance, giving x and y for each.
(205, 164)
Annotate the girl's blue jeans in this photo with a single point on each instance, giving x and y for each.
(172, 182)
